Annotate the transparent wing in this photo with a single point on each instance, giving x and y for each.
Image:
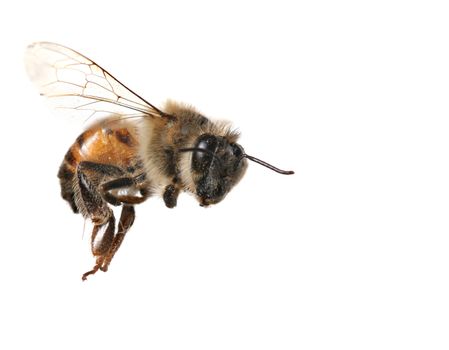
(76, 84)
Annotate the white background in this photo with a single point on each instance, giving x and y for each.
(349, 253)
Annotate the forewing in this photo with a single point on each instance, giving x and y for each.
(74, 83)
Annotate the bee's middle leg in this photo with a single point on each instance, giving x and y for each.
(134, 192)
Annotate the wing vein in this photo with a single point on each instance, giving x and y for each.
(73, 82)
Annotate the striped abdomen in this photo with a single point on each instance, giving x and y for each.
(99, 144)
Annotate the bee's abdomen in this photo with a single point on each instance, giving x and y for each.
(66, 174)
(67, 170)
(117, 146)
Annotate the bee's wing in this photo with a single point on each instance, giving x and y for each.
(74, 83)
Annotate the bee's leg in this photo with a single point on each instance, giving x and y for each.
(101, 248)
(135, 191)
(126, 220)
(97, 209)
(127, 216)
(170, 195)
(130, 191)
(96, 199)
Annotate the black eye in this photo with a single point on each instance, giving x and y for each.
(201, 160)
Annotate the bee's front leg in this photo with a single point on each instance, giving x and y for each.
(170, 195)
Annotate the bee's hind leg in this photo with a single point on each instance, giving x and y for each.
(98, 210)
(95, 201)
(126, 220)
(101, 248)
(135, 191)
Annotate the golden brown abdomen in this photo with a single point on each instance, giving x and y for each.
(99, 144)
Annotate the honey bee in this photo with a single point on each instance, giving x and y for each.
(133, 150)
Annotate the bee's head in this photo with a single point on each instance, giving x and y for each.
(217, 165)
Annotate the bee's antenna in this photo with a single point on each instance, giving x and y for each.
(269, 166)
(254, 159)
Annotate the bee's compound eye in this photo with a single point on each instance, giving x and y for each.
(207, 142)
(201, 160)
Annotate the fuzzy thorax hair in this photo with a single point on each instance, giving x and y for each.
(159, 135)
